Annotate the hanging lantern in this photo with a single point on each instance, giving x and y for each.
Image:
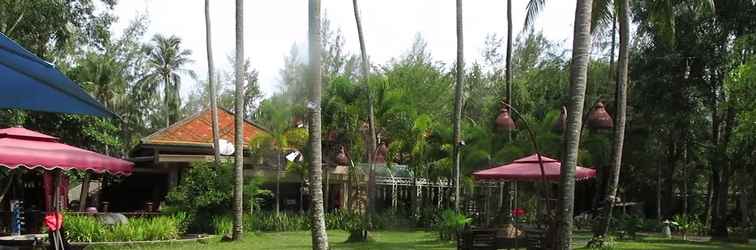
(562, 121)
(504, 120)
(599, 118)
(341, 158)
(380, 153)
(332, 135)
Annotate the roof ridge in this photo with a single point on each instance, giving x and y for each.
(198, 116)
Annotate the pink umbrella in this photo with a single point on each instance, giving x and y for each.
(20, 147)
(528, 169)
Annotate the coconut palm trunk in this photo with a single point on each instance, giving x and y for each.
(318, 228)
(581, 46)
(211, 83)
(508, 70)
(238, 122)
(364, 67)
(619, 131)
(458, 105)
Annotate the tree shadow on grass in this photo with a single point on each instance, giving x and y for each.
(422, 245)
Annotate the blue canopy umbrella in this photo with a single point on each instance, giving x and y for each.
(28, 82)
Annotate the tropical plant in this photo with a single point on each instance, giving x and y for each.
(457, 114)
(371, 142)
(211, 85)
(450, 223)
(318, 229)
(578, 72)
(86, 228)
(239, 124)
(619, 126)
(167, 62)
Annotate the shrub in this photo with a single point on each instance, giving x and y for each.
(449, 223)
(270, 222)
(601, 243)
(205, 192)
(83, 228)
(222, 225)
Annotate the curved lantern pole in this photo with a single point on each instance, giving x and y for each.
(531, 136)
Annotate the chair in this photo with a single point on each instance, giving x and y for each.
(477, 239)
(535, 238)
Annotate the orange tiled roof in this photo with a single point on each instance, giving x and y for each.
(197, 130)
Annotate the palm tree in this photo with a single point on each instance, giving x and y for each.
(581, 46)
(167, 61)
(211, 83)
(508, 71)
(318, 228)
(619, 130)
(457, 137)
(371, 116)
(239, 123)
(280, 138)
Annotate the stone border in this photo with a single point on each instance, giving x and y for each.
(146, 242)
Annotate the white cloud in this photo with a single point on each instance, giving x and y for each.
(271, 27)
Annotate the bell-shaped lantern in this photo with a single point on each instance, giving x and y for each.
(562, 121)
(341, 158)
(331, 135)
(380, 153)
(599, 118)
(504, 120)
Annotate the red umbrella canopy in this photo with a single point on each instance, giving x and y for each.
(528, 169)
(20, 147)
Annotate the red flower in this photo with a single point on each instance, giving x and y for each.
(518, 212)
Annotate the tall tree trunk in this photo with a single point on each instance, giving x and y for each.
(365, 70)
(318, 228)
(685, 176)
(238, 122)
(619, 131)
(211, 83)
(508, 70)
(278, 182)
(581, 46)
(659, 192)
(720, 224)
(718, 216)
(460, 74)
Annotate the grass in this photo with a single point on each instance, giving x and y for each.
(406, 240)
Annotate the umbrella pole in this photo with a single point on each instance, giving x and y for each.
(56, 204)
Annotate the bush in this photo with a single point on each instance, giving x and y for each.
(601, 243)
(270, 222)
(449, 223)
(205, 192)
(222, 225)
(83, 228)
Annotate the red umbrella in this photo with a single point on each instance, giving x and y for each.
(20, 147)
(528, 169)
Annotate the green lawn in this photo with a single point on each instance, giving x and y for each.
(406, 240)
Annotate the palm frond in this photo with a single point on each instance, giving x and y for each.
(533, 8)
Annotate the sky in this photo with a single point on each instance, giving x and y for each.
(272, 27)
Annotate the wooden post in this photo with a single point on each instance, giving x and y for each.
(327, 195)
(56, 190)
(84, 192)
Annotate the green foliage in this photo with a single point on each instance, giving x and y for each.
(689, 224)
(205, 192)
(223, 225)
(85, 228)
(270, 222)
(629, 225)
(601, 243)
(449, 223)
